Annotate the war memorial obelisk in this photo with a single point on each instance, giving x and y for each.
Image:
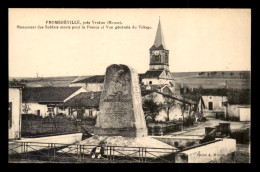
(121, 112)
(121, 120)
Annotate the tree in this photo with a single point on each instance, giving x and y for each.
(223, 73)
(168, 105)
(151, 108)
(231, 74)
(240, 74)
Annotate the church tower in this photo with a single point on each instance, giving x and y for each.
(159, 55)
(158, 76)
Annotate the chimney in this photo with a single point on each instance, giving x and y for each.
(91, 95)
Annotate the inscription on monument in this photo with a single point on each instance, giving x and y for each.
(121, 112)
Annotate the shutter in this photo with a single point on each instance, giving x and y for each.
(10, 114)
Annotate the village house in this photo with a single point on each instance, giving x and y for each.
(14, 112)
(85, 104)
(214, 100)
(238, 106)
(44, 101)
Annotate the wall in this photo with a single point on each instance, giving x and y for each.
(36, 106)
(86, 113)
(78, 85)
(15, 96)
(94, 87)
(221, 151)
(155, 81)
(217, 105)
(233, 111)
(42, 142)
(178, 140)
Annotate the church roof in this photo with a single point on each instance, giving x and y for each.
(159, 40)
(152, 73)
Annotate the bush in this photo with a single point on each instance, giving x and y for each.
(30, 117)
(61, 115)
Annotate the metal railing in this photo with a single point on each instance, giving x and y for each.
(56, 152)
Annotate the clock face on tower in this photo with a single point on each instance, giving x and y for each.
(156, 53)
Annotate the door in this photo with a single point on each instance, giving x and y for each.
(210, 105)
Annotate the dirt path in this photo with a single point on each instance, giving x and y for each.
(199, 128)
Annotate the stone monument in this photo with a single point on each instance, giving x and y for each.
(121, 112)
(121, 120)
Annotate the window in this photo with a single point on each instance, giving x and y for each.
(70, 111)
(38, 112)
(150, 82)
(90, 113)
(157, 58)
(80, 113)
(10, 115)
(50, 109)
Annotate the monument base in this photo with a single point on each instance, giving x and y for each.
(131, 145)
(120, 132)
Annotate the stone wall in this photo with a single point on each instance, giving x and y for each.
(221, 151)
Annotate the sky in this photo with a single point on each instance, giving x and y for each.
(198, 40)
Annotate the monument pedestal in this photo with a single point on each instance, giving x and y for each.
(131, 145)
(120, 132)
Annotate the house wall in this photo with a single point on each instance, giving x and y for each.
(86, 113)
(94, 87)
(36, 106)
(15, 96)
(78, 85)
(217, 105)
(222, 151)
(43, 109)
(233, 110)
(156, 81)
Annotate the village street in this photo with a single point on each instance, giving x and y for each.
(242, 150)
(199, 128)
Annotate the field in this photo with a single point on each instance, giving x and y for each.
(239, 80)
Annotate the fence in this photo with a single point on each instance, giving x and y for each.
(55, 152)
(53, 126)
(161, 129)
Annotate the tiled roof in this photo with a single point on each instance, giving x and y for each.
(152, 74)
(83, 100)
(47, 94)
(96, 79)
(92, 79)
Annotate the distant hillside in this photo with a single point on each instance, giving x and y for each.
(214, 74)
(218, 79)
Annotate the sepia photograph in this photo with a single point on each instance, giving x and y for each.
(129, 85)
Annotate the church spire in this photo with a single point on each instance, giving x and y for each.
(159, 40)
